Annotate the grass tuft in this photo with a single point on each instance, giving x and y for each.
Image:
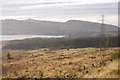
(116, 55)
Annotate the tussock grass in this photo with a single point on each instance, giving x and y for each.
(115, 55)
(63, 63)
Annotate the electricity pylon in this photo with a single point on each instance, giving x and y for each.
(102, 35)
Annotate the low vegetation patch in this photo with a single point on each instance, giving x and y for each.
(116, 55)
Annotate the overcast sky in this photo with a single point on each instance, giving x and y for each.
(39, 1)
(60, 10)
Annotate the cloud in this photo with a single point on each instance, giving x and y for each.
(32, 4)
(56, 10)
(39, 1)
(53, 9)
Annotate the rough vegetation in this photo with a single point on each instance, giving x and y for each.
(64, 63)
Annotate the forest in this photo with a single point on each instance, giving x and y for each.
(61, 43)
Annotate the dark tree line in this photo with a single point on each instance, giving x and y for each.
(61, 43)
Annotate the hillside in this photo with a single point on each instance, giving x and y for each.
(72, 63)
(71, 27)
(60, 43)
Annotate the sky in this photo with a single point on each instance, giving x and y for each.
(60, 10)
(39, 1)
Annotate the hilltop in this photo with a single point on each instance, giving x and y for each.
(71, 28)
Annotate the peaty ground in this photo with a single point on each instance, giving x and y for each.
(72, 63)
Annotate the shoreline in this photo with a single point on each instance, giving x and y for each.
(21, 37)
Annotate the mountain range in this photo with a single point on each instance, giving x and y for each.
(70, 27)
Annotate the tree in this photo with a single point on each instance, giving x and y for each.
(8, 56)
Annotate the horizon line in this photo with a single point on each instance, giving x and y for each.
(56, 20)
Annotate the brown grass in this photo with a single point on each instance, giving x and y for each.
(74, 63)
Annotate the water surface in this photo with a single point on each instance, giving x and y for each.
(20, 37)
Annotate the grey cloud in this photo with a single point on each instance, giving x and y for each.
(30, 4)
(56, 11)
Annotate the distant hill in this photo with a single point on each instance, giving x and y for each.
(71, 27)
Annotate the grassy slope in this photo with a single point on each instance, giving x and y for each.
(79, 63)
